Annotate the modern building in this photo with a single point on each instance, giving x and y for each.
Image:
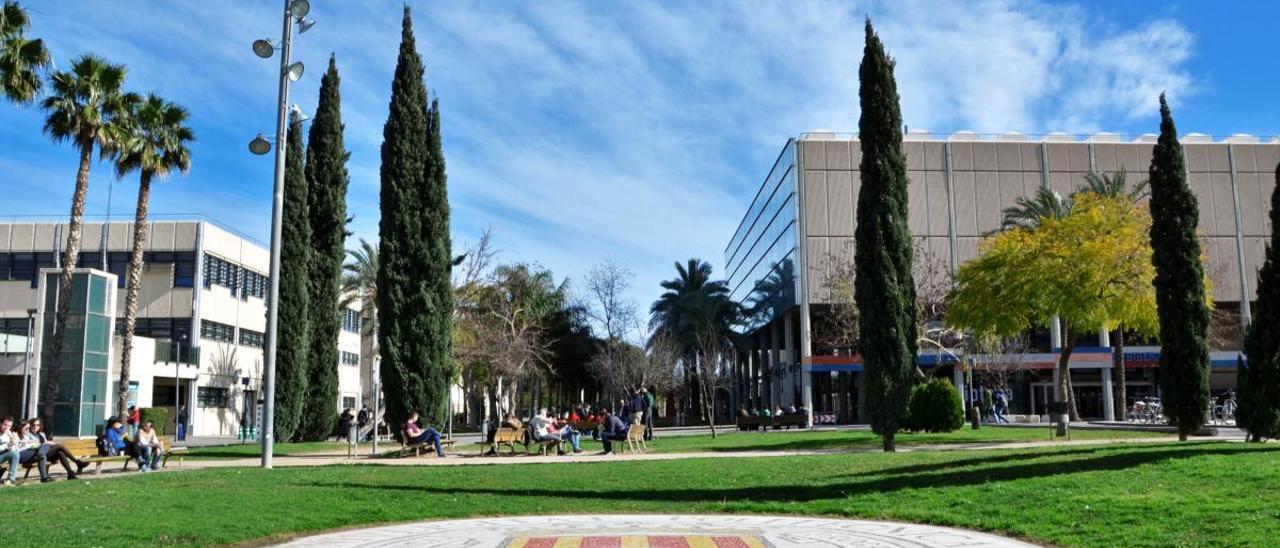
(800, 227)
(201, 320)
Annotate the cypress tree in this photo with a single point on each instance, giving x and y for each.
(884, 289)
(402, 326)
(1180, 293)
(294, 310)
(435, 266)
(326, 198)
(1259, 377)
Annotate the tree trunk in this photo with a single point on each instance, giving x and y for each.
(1122, 397)
(1064, 371)
(132, 287)
(70, 258)
(890, 444)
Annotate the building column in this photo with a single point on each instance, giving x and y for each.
(1108, 402)
(957, 377)
(1245, 315)
(775, 363)
(789, 350)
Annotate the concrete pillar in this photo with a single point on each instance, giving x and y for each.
(806, 374)
(775, 362)
(1108, 402)
(957, 378)
(789, 351)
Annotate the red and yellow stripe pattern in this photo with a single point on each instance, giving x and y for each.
(639, 541)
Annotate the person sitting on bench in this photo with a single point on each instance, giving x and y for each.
(149, 448)
(613, 429)
(541, 426)
(417, 436)
(562, 428)
(31, 450)
(116, 444)
(57, 452)
(8, 450)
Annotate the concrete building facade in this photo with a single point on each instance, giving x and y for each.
(201, 322)
(800, 226)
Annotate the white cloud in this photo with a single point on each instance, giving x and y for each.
(581, 130)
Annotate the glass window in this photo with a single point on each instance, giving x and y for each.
(215, 331)
(250, 338)
(209, 396)
(348, 402)
(350, 358)
(351, 320)
(184, 269)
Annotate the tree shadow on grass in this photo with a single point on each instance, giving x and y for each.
(873, 483)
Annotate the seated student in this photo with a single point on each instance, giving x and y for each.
(57, 452)
(417, 435)
(116, 444)
(9, 454)
(613, 429)
(512, 421)
(31, 450)
(742, 411)
(540, 425)
(149, 448)
(566, 432)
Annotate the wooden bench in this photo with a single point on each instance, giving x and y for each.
(87, 450)
(584, 426)
(406, 447)
(509, 437)
(635, 438)
(787, 421)
(543, 445)
(752, 422)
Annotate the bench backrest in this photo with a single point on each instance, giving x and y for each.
(635, 432)
(506, 434)
(79, 447)
(584, 425)
(789, 419)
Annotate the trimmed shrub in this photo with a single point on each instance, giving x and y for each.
(159, 416)
(935, 406)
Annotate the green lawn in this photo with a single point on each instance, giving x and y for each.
(1208, 493)
(734, 441)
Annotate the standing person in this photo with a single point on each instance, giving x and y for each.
(57, 452)
(416, 435)
(649, 409)
(345, 421)
(182, 422)
(148, 447)
(612, 429)
(637, 406)
(30, 450)
(9, 453)
(134, 417)
(362, 418)
(1002, 403)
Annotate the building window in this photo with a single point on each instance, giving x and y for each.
(242, 282)
(350, 358)
(184, 269)
(250, 338)
(215, 331)
(208, 396)
(163, 329)
(351, 320)
(348, 402)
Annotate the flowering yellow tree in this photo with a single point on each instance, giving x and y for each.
(1091, 268)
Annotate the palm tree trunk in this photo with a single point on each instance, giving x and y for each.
(1122, 398)
(132, 287)
(69, 261)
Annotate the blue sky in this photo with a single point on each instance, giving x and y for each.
(638, 132)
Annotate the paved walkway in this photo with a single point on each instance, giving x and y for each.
(640, 531)
(471, 458)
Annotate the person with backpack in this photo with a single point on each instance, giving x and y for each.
(1001, 405)
(113, 442)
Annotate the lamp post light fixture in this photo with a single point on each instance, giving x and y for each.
(294, 13)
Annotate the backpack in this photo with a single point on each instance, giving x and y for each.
(105, 447)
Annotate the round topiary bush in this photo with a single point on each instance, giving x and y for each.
(935, 406)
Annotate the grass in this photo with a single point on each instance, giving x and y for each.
(1208, 493)
(820, 440)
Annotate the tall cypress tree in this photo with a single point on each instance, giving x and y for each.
(295, 298)
(1180, 293)
(884, 288)
(326, 198)
(435, 265)
(402, 326)
(1259, 378)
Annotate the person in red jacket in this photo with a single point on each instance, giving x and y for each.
(135, 416)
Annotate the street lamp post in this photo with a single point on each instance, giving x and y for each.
(26, 360)
(295, 11)
(377, 400)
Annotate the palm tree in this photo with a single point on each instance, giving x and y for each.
(21, 59)
(360, 278)
(1116, 186)
(1030, 212)
(86, 100)
(1113, 186)
(154, 142)
(684, 310)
